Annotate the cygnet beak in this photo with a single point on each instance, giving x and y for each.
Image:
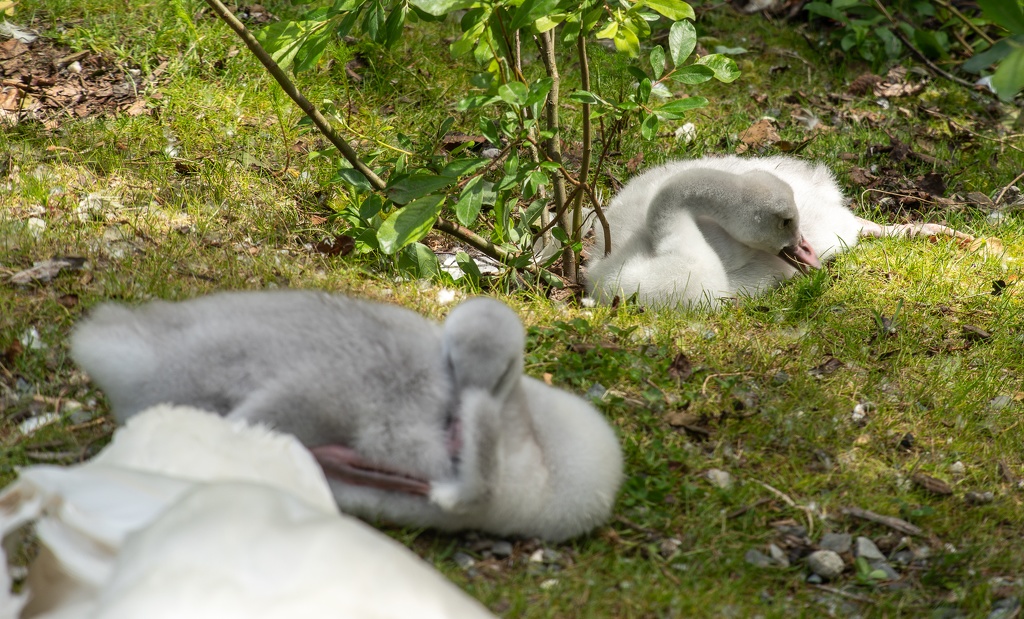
(801, 256)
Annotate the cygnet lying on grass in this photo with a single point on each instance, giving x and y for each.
(700, 231)
(188, 514)
(414, 423)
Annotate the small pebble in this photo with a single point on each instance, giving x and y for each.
(780, 378)
(463, 560)
(979, 498)
(719, 478)
(826, 563)
(547, 584)
(860, 415)
(668, 546)
(501, 549)
(537, 556)
(957, 469)
(778, 555)
(836, 542)
(814, 579)
(868, 550)
(758, 559)
(596, 391)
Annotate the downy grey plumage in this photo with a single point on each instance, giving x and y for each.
(414, 423)
(693, 232)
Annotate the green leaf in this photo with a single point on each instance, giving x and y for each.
(608, 31)
(1008, 79)
(353, 178)
(284, 39)
(539, 91)
(893, 46)
(657, 59)
(464, 167)
(370, 207)
(985, 59)
(469, 268)
(416, 185)
(682, 38)
(420, 260)
(672, 9)
(311, 49)
(643, 90)
(692, 74)
(585, 96)
(649, 128)
(441, 7)
(547, 22)
(930, 43)
(409, 224)
(393, 27)
(676, 109)
(825, 10)
(470, 202)
(1007, 13)
(513, 93)
(530, 11)
(373, 21)
(724, 67)
(626, 41)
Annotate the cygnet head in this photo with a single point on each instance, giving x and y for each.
(483, 343)
(772, 220)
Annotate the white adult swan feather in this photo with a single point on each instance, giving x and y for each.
(699, 231)
(188, 514)
(413, 423)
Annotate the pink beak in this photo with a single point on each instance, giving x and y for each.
(344, 464)
(801, 256)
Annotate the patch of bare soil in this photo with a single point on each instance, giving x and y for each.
(48, 83)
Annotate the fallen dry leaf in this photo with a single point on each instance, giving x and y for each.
(830, 365)
(681, 368)
(758, 135)
(47, 270)
(895, 84)
(931, 484)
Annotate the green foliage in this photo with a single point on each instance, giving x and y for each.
(879, 33)
(512, 105)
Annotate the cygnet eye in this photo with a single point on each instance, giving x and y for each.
(787, 223)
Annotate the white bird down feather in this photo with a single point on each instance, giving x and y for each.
(188, 514)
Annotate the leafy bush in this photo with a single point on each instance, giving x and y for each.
(882, 33)
(519, 108)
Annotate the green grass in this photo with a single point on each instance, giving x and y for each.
(234, 218)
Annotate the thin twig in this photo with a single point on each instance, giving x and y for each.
(896, 524)
(1005, 189)
(289, 88)
(955, 11)
(785, 497)
(931, 65)
(846, 594)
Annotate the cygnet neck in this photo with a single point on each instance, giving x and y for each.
(703, 192)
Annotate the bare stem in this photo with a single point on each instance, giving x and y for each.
(553, 150)
(289, 88)
(588, 145)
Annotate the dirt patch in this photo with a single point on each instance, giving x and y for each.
(48, 83)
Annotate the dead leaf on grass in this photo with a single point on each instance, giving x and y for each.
(681, 368)
(895, 84)
(46, 270)
(931, 484)
(975, 334)
(758, 135)
(830, 365)
(932, 183)
(340, 245)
